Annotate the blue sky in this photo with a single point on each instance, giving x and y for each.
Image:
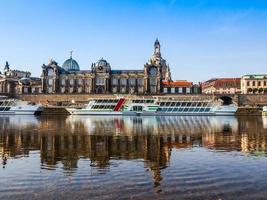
(200, 39)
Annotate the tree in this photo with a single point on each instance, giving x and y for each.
(249, 90)
(265, 90)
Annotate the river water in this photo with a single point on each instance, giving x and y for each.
(85, 157)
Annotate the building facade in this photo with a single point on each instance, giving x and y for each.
(221, 86)
(18, 82)
(254, 84)
(101, 79)
(180, 87)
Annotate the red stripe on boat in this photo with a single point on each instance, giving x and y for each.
(119, 104)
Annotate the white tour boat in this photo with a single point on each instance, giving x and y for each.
(154, 106)
(18, 107)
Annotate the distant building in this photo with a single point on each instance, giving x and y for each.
(180, 87)
(18, 82)
(101, 79)
(221, 86)
(254, 84)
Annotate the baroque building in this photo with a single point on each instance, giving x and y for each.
(254, 84)
(221, 86)
(101, 79)
(14, 82)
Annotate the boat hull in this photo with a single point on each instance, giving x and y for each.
(125, 113)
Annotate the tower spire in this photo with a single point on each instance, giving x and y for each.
(71, 51)
(157, 47)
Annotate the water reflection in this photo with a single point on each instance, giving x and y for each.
(101, 139)
(154, 142)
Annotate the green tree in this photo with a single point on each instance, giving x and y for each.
(249, 90)
(260, 90)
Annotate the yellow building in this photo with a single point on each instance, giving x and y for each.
(254, 84)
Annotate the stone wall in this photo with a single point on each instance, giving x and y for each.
(252, 100)
(66, 99)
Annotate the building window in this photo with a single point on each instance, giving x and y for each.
(62, 90)
(248, 83)
(132, 81)
(264, 83)
(123, 81)
(80, 81)
(180, 90)
(140, 81)
(50, 81)
(253, 83)
(152, 81)
(87, 81)
(153, 89)
(25, 90)
(50, 72)
(63, 82)
(114, 81)
(50, 90)
(172, 90)
(100, 81)
(188, 90)
(153, 71)
(259, 83)
(71, 81)
(165, 90)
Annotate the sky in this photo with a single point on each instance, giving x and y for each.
(200, 39)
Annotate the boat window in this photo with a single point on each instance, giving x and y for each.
(178, 104)
(186, 109)
(169, 109)
(197, 109)
(168, 103)
(194, 103)
(191, 109)
(202, 109)
(137, 108)
(199, 104)
(161, 104)
(175, 109)
(4, 108)
(173, 104)
(184, 104)
(189, 104)
(207, 109)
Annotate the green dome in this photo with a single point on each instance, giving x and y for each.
(71, 65)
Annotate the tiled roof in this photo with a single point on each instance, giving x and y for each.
(181, 83)
(222, 83)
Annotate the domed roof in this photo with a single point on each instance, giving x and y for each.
(25, 81)
(71, 65)
(102, 63)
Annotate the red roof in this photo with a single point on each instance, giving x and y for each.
(181, 83)
(222, 83)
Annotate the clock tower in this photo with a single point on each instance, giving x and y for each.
(156, 70)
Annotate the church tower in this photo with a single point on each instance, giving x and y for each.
(156, 71)
(157, 48)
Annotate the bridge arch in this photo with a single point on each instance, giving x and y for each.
(226, 100)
